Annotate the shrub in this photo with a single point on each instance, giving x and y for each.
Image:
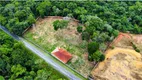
(56, 24)
(84, 44)
(135, 48)
(115, 33)
(79, 29)
(85, 35)
(102, 47)
(93, 47)
(90, 58)
(112, 47)
(60, 24)
(98, 56)
(100, 37)
(102, 57)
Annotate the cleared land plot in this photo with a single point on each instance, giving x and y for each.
(122, 62)
(124, 41)
(44, 35)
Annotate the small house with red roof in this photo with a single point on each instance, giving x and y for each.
(62, 55)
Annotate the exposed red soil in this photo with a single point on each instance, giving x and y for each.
(119, 37)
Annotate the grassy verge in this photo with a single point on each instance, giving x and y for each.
(56, 61)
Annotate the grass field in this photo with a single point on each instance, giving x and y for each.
(44, 35)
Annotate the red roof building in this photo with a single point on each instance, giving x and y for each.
(62, 55)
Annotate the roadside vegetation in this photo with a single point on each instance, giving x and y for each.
(18, 63)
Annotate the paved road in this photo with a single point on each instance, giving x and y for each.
(68, 72)
(6, 31)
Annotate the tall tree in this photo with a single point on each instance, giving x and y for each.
(43, 8)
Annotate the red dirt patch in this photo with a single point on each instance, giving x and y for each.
(62, 55)
(119, 37)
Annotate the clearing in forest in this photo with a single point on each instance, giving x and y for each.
(43, 34)
(122, 62)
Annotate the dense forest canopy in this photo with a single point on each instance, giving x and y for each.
(18, 63)
(103, 20)
(122, 16)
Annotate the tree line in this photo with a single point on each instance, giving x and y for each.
(18, 63)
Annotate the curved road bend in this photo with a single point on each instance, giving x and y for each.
(48, 58)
